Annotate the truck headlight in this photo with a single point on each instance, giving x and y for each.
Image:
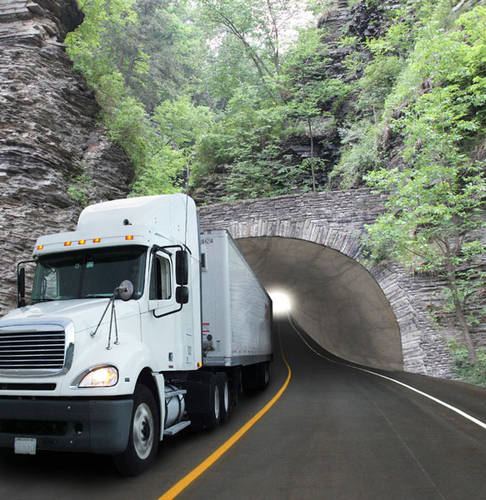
(103, 376)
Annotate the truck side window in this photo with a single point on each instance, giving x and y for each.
(160, 280)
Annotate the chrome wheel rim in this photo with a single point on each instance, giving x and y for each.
(226, 397)
(143, 430)
(216, 402)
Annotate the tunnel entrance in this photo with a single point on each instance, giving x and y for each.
(333, 297)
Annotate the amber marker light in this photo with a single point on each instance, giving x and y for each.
(67, 243)
(40, 247)
(129, 237)
(199, 364)
(81, 242)
(96, 240)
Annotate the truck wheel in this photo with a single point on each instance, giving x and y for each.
(236, 387)
(225, 397)
(256, 377)
(143, 439)
(212, 418)
(265, 377)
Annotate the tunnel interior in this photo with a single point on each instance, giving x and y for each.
(332, 297)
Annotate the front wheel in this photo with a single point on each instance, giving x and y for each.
(143, 440)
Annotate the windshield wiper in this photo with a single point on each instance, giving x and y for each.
(97, 295)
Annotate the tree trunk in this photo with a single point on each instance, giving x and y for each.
(461, 319)
(309, 123)
(458, 6)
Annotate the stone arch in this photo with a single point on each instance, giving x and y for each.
(389, 279)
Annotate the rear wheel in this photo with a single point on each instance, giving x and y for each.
(143, 440)
(265, 377)
(256, 377)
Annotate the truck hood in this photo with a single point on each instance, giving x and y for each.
(84, 313)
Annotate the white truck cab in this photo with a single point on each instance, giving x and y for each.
(110, 356)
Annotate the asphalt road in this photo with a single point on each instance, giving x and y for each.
(336, 433)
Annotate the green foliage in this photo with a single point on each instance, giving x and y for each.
(102, 48)
(359, 156)
(377, 81)
(181, 122)
(159, 175)
(78, 189)
(473, 373)
(305, 58)
(176, 46)
(253, 131)
(438, 197)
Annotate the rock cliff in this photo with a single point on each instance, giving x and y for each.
(53, 155)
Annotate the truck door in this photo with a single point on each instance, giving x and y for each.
(160, 323)
(167, 327)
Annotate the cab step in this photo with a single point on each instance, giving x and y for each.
(170, 431)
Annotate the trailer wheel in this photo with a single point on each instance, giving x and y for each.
(225, 396)
(256, 377)
(143, 440)
(265, 375)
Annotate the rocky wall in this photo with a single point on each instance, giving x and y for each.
(51, 146)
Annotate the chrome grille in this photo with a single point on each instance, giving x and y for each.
(38, 350)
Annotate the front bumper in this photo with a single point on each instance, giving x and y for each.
(82, 425)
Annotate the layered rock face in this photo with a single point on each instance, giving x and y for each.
(52, 153)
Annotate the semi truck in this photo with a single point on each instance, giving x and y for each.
(137, 326)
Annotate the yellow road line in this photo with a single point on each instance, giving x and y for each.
(217, 454)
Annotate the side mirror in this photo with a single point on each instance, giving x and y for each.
(182, 268)
(182, 295)
(21, 287)
(125, 290)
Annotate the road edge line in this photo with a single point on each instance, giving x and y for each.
(190, 477)
(436, 400)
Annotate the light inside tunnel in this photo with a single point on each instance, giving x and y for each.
(281, 302)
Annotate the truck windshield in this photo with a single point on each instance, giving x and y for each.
(88, 273)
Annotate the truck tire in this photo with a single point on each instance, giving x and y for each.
(144, 434)
(236, 386)
(211, 419)
(265, 375)
(256, 377)
(225, 404)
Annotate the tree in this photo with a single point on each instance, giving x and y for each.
(105, 50)
(258, 25)
(307, 95)
(304, 105)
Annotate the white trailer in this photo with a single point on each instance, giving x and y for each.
(236, 308)
(111, 354)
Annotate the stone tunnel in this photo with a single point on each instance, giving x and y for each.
(308, 246)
